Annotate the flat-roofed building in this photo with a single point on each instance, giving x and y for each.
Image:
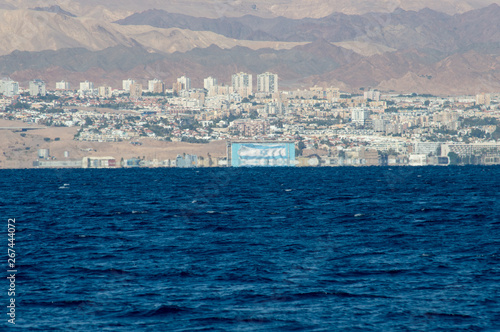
(242, 84)
(135, 90)
(8, 87)
(37, 87)
(105, 92)
(185, 82)
(156, 86)
(62, 85)
(86, 88)
(127, 83)
(267, 82)
(209, 83)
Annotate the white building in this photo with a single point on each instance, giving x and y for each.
(62, 85)
(372, 94)
(105, 92)
(360, 115)
(267, 82)
(156, 86)
(86, 88)
(37, 87)
(418, 160)
(483, 99)
(127, 83)
(185, 83)
(8, 87)
(209, 83)
(242, 84)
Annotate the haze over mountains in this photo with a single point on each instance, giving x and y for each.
(424, 51)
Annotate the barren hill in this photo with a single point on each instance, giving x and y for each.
(380, 44)
(219, 8)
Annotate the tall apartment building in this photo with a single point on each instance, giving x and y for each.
(156, 86)
(185, 82)
(372, 94)
(37, 87)
(267, 82)
(209, 83)
(176, 87)
(62, 85)
(242, 84)
(135, 90)
(483, 99)
(127, 83)
(360, 116)
(86, 88)
(8, 87)
(105, 92)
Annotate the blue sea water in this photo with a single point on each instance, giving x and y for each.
(254, 249)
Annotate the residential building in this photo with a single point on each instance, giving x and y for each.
(127, 83)
(267, 82)
(209, 83)
(105, 92)
(483, 99)
(360, 116)
(86, 88)
(8, 87)
(251, 128)
(372, 94)
(176, 88)
(185, 83)
(427, 148)
(242, 84)
(135, 90)
(63, 85)
(37, 87)
(156, 86)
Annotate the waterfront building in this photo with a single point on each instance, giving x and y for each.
(427, 148)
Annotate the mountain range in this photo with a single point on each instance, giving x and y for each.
(423, 51)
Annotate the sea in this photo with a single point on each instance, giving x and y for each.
(252, 249)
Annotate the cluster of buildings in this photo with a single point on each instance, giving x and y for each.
(329, 127)
(45, 160)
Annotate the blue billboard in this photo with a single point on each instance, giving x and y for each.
(262, 154)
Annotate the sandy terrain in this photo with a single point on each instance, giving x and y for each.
(19, 149)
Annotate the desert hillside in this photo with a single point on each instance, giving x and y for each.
(421, 46)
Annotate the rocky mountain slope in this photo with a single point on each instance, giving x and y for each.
(233, 8)
(392, 49)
